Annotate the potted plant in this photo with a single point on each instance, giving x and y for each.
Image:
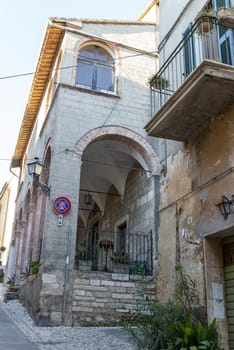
(121, 262)
(225, 16)
(138, 267)
(205, 20)
(159, 82)
(106, 244)
(12, 287)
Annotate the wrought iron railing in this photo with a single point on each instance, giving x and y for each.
(200, 42)
(114, 252)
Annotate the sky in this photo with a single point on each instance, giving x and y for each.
(22, 29)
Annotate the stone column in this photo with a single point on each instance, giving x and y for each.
(58, 250)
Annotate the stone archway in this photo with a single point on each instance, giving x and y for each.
(138, 142)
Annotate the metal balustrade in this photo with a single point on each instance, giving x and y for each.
(114, 252)
(205, 39)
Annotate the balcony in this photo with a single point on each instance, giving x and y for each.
(195, 84)
(114, 252)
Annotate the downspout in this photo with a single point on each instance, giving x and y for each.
(156, 221)
(68, 249)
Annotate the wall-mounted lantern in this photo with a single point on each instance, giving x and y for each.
(35, 168)
(225, 206)
(88, 199)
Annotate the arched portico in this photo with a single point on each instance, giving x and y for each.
(117, 190)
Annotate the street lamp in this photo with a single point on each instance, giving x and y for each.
(35, 168)
(88, 199)
(225, 206)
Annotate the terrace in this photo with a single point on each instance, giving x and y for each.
(114, 252)
(195, 84)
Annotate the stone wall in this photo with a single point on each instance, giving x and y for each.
(29, 295)
(94, 298)
(104, 298)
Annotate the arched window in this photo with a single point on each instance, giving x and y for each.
(95, 68)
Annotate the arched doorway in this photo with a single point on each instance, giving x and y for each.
(117, 191)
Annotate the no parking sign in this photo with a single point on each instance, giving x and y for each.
(62, 206)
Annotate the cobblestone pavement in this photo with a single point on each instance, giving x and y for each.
(65, 338)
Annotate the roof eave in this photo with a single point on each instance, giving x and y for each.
(50, 46)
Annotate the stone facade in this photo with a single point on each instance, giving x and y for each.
(198, 167)
(107, 298)
(197, 176)
(91, 140)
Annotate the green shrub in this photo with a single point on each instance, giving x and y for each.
(186, 293)
(193, 335)
(173, 325)
(120, 258)
(150, 324)
(34, 267)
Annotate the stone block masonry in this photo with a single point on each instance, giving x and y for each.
(107, 298)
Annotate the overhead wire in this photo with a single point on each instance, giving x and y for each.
(94, 162)
(70, 67)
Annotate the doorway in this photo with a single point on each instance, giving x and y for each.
(228, 257)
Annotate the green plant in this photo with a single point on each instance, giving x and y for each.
(139, 268)
(120, 258)
(150, 324)
(208, 12)
(173, 325)
(186, 293)
(2, 249)
(34, 266)
(193, 335)
(159, 82)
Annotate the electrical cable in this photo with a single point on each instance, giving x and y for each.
(68, 67)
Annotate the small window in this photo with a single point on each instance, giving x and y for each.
(95, 69)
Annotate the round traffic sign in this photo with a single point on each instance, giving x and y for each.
(62, 205)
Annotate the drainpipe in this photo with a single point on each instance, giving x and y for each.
(68, 249)
(156, 218)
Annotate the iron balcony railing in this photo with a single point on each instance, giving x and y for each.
(205, 39)
(114, 252)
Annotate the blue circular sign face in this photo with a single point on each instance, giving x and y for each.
(62, 205)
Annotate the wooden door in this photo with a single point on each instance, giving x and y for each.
(228, 253)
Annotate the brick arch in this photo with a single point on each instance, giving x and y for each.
(138, 142)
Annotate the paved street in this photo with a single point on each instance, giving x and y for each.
(11, 337)
(18, 332)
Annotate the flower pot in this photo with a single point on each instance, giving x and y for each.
(160, 83)
(225, 16)
(205, 24)
(106, 244)
(13, 289)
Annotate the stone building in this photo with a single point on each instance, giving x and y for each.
(193, 117)
(96, 197)
(7, 208)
